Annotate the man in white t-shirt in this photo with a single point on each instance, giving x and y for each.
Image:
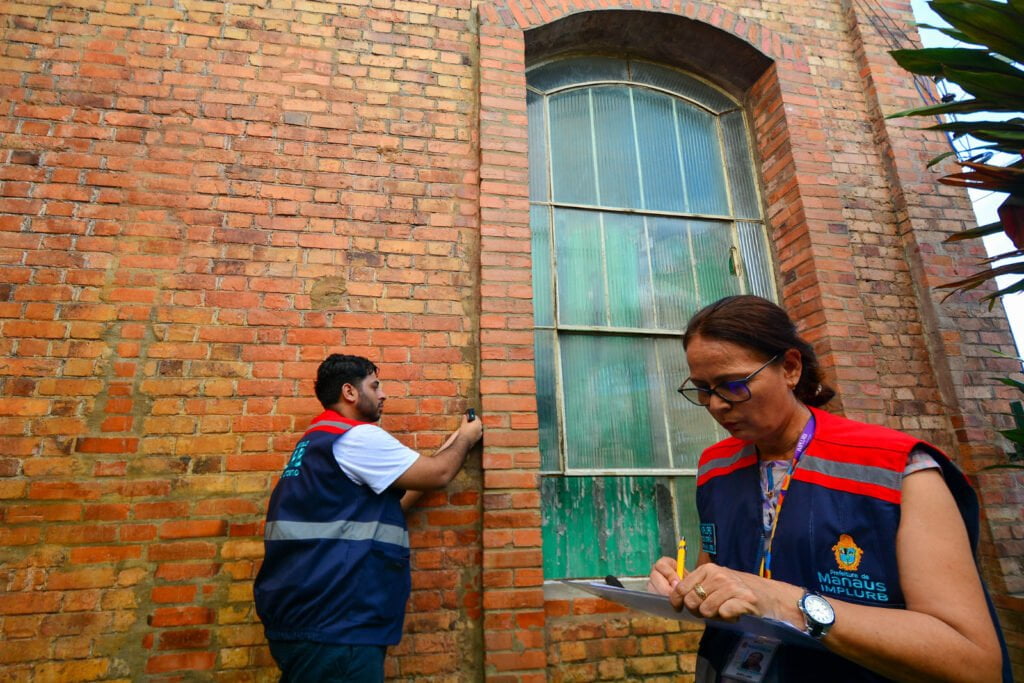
(335, 578)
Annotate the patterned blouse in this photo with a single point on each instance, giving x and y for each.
(774, 471)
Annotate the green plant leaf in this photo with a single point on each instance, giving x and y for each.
(1007, 355)
(993, 24)
(962, 127)
(987, 177)
(961, 107)
(941, 157)
(1014, 435)
(951, 32)
(1018, 286)
(990, 86)
(980, 231)
(978, 181)
(1010, 382)
(1009, 142)
(982, 276)
(932, 61)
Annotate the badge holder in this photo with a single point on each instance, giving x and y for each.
(750, 660)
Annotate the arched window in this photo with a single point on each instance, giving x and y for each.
(643, 208)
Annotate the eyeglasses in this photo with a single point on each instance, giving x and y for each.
(731, 391)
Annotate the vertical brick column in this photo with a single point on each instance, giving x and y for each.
(960, 332)
(512, 568)
(811, 246)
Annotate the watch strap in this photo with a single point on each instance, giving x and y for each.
(812, 627)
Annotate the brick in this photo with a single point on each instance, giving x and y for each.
(193, 529)
(192, 661)
(29, 603)
(181, 616)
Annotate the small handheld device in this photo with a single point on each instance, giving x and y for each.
(470, 414)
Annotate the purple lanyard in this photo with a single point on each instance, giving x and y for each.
(806, 435)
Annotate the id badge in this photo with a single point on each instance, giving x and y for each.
(750, 660)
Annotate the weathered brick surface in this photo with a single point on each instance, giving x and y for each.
(857, 224)
(198, 201)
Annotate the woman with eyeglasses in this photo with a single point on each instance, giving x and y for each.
(858, 535)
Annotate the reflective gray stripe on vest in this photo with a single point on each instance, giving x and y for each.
(326, 423)
(864, 474)
(340, 530)
(719, 463)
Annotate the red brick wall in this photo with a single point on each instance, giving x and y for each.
(200, 201)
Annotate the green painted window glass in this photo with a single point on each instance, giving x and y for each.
(643, 208)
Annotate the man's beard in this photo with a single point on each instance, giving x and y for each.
(369, 410)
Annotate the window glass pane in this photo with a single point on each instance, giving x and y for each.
(629, 276)
(619, 185)
(572, 154)
(659, 152)
(637, 136)
(756, 259)
(685, 496)
(595, 526)
(738, 167)
(607, 382)
(547, 416)
(687, 86)
(691, 428)
(702, 161)
(540, 245)
(712, 248)
(673, 266)
(580, 70)
(537, 147)
(580, 268)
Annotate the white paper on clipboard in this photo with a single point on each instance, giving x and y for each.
(658, 605)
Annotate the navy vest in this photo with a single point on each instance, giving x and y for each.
(336, 564)
(836, 533)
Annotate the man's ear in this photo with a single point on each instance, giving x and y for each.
(349, 393)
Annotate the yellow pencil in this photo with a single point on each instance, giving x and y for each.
(681, 558)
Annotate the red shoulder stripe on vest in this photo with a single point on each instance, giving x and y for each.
(848, 485)
(328, 421)
(723, 458)
(330, 429)
(720, 471)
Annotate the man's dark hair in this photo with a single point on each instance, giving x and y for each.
(336, 371)
(760, 325)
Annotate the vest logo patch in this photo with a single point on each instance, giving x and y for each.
(848, 553)
(295, 462)
(708, 538)
(846, 582)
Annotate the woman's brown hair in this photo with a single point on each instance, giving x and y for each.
(760, 325)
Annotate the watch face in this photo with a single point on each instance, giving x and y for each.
(818, 609)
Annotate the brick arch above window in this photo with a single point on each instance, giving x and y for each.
(694, 19)
(694, 46)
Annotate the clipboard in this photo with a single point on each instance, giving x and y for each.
(658, 605)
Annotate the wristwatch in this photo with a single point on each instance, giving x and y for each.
(818, 614)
